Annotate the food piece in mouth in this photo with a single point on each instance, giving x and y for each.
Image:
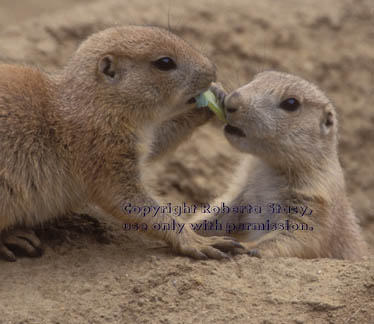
(208, 99)
(232, 130)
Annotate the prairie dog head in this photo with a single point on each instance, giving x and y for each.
(281, 118)
(145, 74)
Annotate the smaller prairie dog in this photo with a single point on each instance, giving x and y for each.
(290, 128)
(87, 133)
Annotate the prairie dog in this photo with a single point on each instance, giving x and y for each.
(289, 127)
(87, 133)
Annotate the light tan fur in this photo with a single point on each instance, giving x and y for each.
(294, 163)
(86, 134)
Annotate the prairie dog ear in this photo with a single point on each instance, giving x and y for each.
(108, 68)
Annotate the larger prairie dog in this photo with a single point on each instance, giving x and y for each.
(85, 134)
(289, 127)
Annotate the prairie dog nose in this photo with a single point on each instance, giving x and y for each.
(232, 102)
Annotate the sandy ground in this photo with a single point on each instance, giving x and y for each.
(93, 272)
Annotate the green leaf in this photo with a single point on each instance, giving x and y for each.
(208, 99)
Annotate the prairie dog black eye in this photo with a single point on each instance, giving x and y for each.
(290, 104)
(165, 64)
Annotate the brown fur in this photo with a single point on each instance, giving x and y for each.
(81, 136)
(295, 162)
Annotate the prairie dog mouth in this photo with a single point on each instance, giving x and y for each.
(191, 101)
(235, 131)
